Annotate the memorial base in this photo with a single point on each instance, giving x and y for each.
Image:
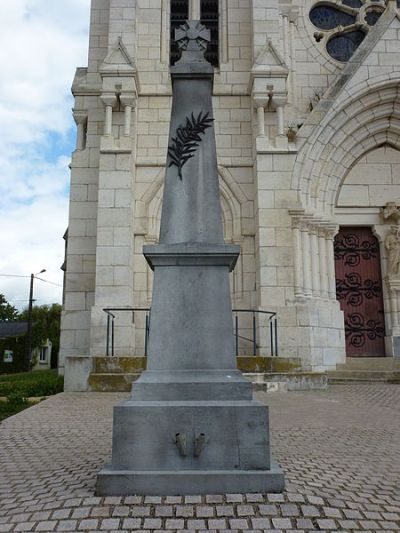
(111, 482)
(190, 447)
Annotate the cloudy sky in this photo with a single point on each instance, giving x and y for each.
(41, 44)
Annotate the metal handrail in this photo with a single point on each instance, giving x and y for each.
(273, 327)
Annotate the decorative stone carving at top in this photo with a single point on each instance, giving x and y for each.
(392, 245)
(392, 211)
(192, 39)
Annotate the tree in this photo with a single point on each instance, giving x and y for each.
(7, 311)
(45, 325)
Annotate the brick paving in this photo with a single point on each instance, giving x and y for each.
(340, 450)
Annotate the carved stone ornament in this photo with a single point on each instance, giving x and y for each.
(187, 140)
(192, 36)
(392, 245)
(391, 211)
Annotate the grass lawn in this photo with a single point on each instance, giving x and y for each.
(16, 388)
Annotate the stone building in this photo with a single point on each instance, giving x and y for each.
(307, 121)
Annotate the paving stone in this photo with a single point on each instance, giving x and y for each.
(184, 510)
(326, 523)
(261, 523)
(289, 509)
(219, 523)
(173, 499)
(164, 510)
(269, 510)
(47, 525)
(204, 511)
(304, 523)
(310, 510)
(282, 523)
(152, 523)
(174, 523)
(214, 498)
(88, 523)
(225, 510)
(234, 498)
(254, 498)
(67, 525)
(140, 511)
(133, 500)
(193, 499)
(245, 510)
(109, 523)
(22, 526)
(238, 523)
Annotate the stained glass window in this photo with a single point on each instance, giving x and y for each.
(343, 26)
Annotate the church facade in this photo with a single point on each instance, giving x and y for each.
(306, 103)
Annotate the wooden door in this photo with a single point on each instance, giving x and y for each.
(359, 291)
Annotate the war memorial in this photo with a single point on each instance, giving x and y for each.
(191, 425)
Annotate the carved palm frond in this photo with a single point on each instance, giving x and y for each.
(187, 140)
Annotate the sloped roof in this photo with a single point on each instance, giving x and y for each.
(13, 329)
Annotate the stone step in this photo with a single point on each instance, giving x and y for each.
(117, 382)
(370, 364)
(293, 380)
(118, 365)
(363, 375)
(129, 365)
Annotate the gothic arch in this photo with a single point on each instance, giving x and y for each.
(148, 208)
(368, 118)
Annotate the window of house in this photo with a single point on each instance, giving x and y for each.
(343, 27)
(43, 354)
(180, 11)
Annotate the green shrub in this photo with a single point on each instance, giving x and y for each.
(27, 384)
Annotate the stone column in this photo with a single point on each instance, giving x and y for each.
(316, 287)
(306, 249)
(285, 27)
(80, 118)
(109, 100)
(128, 102)
(293, 15)
(194, 9)
(298, 270)
(260, 102)
(279, 101)
(330, 233)
(323, 263)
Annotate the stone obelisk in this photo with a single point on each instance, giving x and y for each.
(191, 425)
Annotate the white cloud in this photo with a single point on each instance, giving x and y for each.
(41, 44)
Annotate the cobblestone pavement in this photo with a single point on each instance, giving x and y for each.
(340, 450)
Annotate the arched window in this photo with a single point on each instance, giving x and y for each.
(344, 26)
(180, 11)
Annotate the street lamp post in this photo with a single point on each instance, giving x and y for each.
(29, 332)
